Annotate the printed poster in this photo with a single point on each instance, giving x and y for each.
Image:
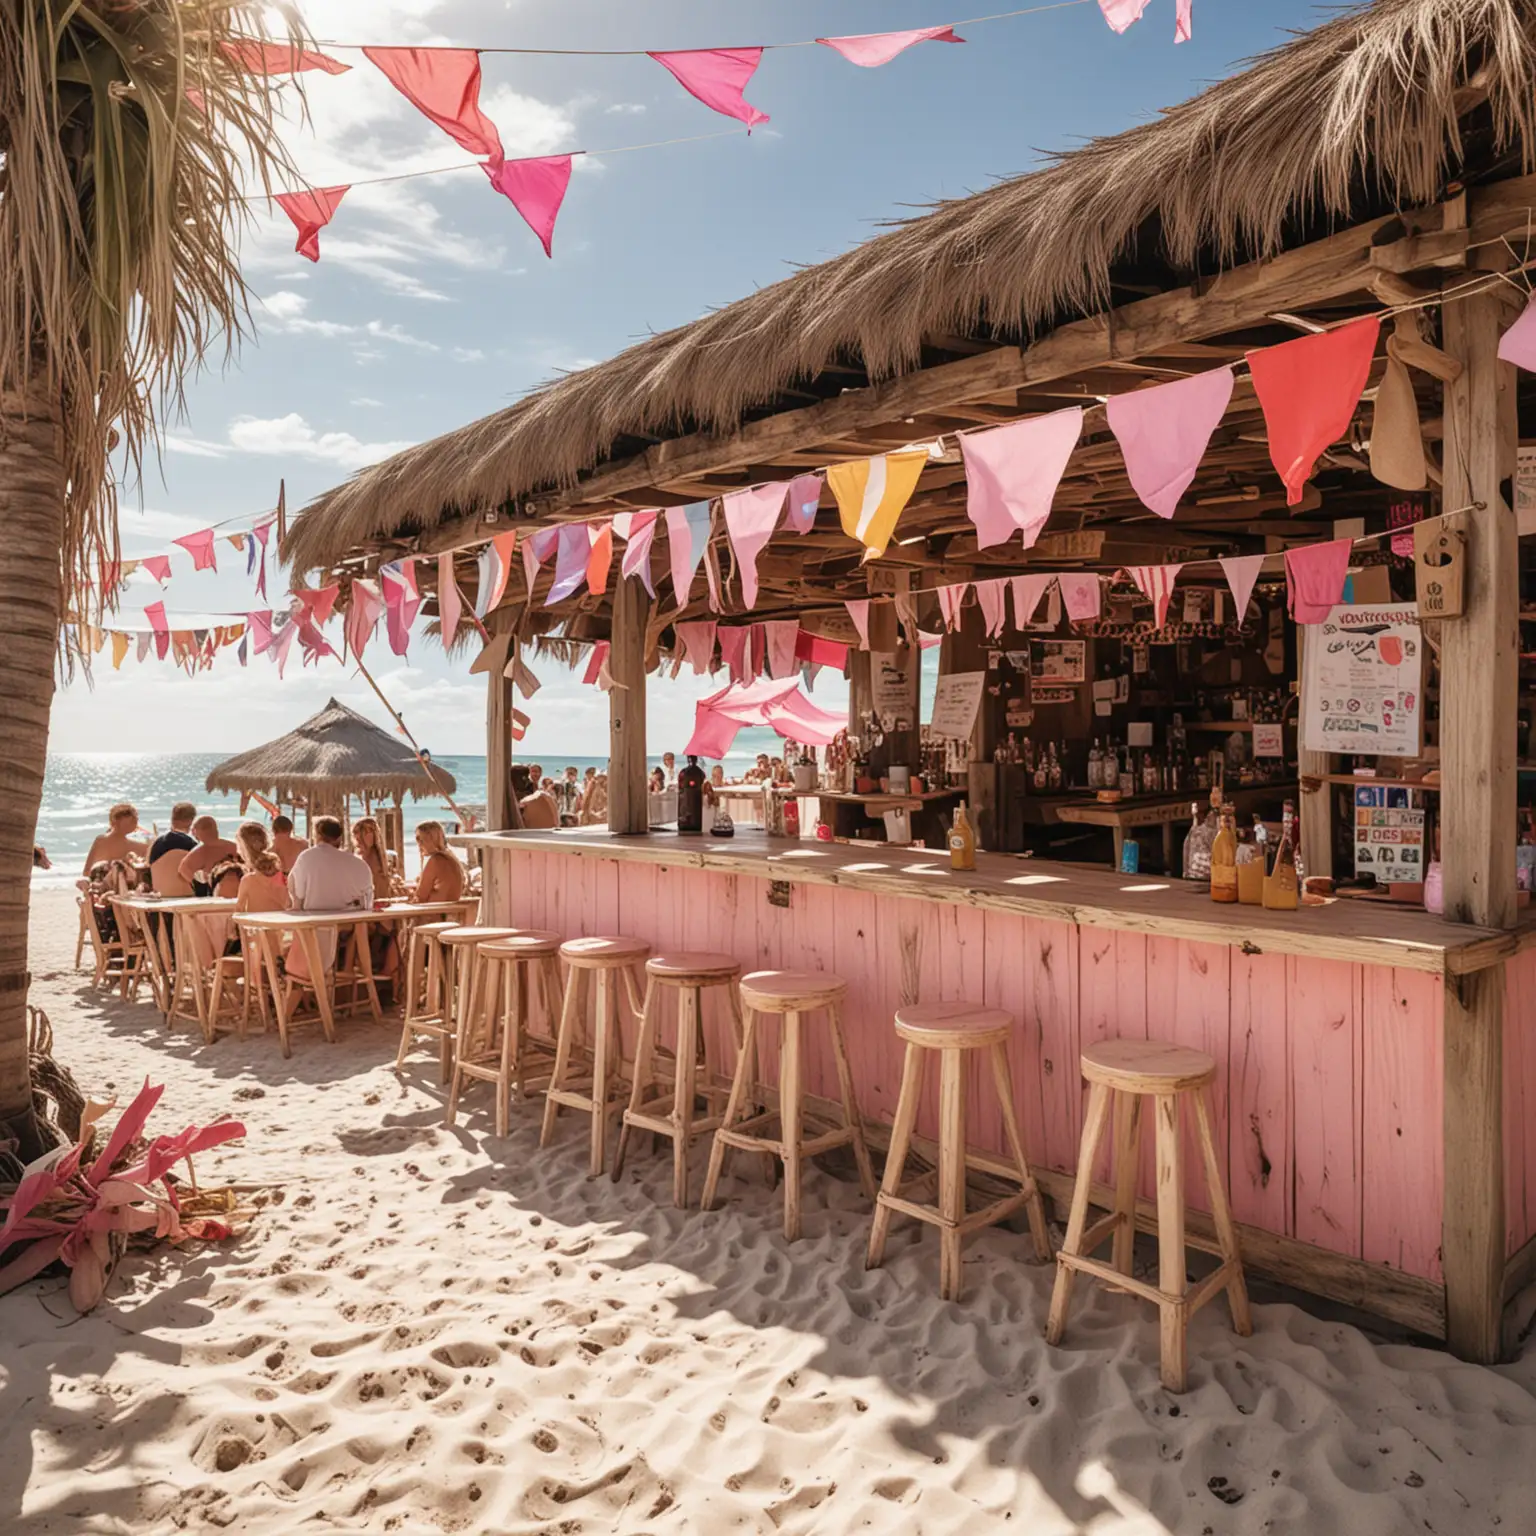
(1059, 661)
(891, 690)
(955, 704)
(1389, 834)
(1362, 690)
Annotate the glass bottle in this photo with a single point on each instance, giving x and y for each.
(962, 840)
(1224, 859)
(1095, 765)
(1197, 845)
(1042, 774)
(1053, 771)
(690, 797)
(1282, 889)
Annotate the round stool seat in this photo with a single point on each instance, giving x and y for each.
(791, 991)
(689, 968)
(526, 944)
(1147, 1066)
(435, 930)
(594, 954)
(457, 935)
(954, 1026)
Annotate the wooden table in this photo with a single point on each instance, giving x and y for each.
(264, 932)
(1164, 811)
(175, 975)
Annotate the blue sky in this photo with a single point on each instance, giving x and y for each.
(433, 304)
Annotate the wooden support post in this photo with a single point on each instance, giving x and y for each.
(500, 804)
(1478, 702)
(1316, 809)
(628, 807)
(859, 695)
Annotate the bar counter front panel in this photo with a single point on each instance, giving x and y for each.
(1330, 1069)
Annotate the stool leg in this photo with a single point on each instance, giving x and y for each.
(896, 1153)
(605, 1039)
(745, 1058)
(564, 1043)
(1221, 1213)
(1127, 1156)
(645, 1061)
(951, 1170)
(511, 1037)
(1093, 1132)
(1172, 1276)
(851, 1117)
(1003, 1078)
(684, 1091)
(792, 1123)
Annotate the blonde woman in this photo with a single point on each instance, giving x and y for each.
(383, 952)
(263, 887)
(442, 876)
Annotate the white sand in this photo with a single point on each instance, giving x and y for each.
(428, 1330)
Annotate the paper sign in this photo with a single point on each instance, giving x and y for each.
(1525, 490)
(891, 690)
(1268, 740)
(1362, 690)
(1104, 689)
(1139, 733)
(1389, 833)
(1044, 695)
(955, 704)
(1059, 661)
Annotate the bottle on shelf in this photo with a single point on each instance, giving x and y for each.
(1054, 776)
(1040, 775)
(1224, 859)
(1282, 889)
(690, 797)
(1095, 766)
(1197, 845)
(962, 840)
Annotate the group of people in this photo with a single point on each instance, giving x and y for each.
(264, 871)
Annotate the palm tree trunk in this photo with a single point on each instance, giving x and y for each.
(32, 491)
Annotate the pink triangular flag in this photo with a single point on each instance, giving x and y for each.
(402, 600)
(282, 644)
(717, 77)
(1083, 595)
(1518, 344)
(1184, 21)
(1120, 14)
(362, 615)
(687, 534)
(142, 653)
(318, 603)
(637, 551)
(537, 548)
(780, 638)
(733, 651)
(1242, 571)
(992, 595)
(951, 599)
(155, 613)
(493, 567)
(259, 627)
(158, 566)
(444, 83)
(1012, 473)
(1156, 582)
(1315, 577)
(757, 641)
(869, 50)
(261, 58)
(804, 498)
(597, 661)
(750, 518)
(311, 212)
(1164, 432)
(449, 604)
(699, 642)
(200, 547)
(858, 611)
(536, 188)
(1027, 592)
(571, 561)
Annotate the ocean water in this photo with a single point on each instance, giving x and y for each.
(80, 787)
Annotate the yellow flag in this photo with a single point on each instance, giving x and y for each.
(119, 648)
(872, 492)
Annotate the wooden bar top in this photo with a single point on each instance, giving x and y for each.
(1367, 932)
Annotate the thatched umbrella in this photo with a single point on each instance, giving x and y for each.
(332, 756)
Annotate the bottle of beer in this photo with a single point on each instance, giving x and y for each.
(690, 797)
(962, 840)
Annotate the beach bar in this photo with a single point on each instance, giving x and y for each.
(1376, 1061)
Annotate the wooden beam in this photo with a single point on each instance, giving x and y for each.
(628, 806)
(500, 806)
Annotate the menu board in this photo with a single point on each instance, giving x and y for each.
(1362, 689)
(1389, 833)
(955, 704)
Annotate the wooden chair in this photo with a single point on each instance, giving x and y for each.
(113, 964)
(1121, 1073)
(790, 995)
(138, 961)
(498, 1046)
(428, 1010)
(671, 1111)
(588, 1054)
(954, 1031)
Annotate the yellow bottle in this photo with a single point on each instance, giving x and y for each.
(1224, 859)
(962, 840)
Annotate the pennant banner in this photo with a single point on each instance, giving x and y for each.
(449, 603)
(804, 498)
(1012, 474)
(600, 561)
(687, 534)
(871, 494)
(872, 49)
(699, 642)
(536, 188)
(1315, 577)
(992, 595)
(637, 551)
(1083, 595)
(1164, 432)
(444, 84)
(575, 549)
(717, 77)
(951, 599)
(1156, 582)
(1242, 571)
(780, 638)
(494, 566)
(1027, 592)
(750, 518)
(279, 58)
(859, 613)
(200, 547)
(310, 212)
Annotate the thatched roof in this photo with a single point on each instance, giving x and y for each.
(1374, 111)
(336, 752)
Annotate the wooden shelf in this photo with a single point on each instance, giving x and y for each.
(1226, 727)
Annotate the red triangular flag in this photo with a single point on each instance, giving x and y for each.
(280, 58)
(311, 211)
(444, 83)
(536, 188)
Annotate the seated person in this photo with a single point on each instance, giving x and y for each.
(285, 845)
(40, 859)
(442, 876)
(119, 843)
(98, 891)
(594, 804)
(658, 781)
(263, 884)
(326, 878)
(169, 849)
(539, 809)
(212, 850)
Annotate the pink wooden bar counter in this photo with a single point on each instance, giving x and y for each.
(1352, 1138)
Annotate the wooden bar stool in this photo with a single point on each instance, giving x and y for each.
(953, 1030)
(460, 946)
(588, 1054)
(1128, 1071)
(670, 1113)
(426, 993)
(790, 994)
(496, 1047)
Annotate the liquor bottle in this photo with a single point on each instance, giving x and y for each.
(1095, 765)
(1053, 771)
(962, 840)
(1042, 775)
(1127, 774)
(1282, 888)
(690, 797)
(1224, 859)
(1148, 774)
(1197, 845)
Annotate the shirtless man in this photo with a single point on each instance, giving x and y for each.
(285, 845)
(169, 849)
(211, 851)
(119, 842)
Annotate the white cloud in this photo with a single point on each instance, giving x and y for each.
(193, 447)
(289, 317)
(367, 400)
(468, 355)
(285, 305)
(625, 109)
(292, 435)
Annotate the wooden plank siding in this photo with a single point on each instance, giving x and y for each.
(1328, 1091)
